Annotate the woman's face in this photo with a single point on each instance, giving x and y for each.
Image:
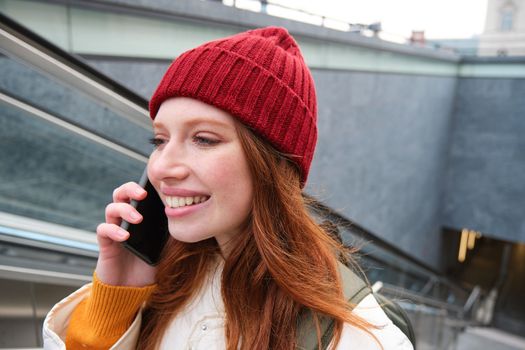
(200, 171)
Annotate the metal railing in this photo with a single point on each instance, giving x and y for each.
(374, 29)
(265, 6)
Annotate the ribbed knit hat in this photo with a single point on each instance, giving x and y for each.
(259, 77)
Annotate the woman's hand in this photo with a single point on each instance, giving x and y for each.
(116, 265)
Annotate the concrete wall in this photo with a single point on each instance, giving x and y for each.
(382, 153)
(486, 175)
(158, 29)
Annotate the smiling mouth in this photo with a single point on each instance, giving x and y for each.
(177, 202)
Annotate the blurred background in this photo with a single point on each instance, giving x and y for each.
(420, 158)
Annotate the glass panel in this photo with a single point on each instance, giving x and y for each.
(52, 174)
(50, 94)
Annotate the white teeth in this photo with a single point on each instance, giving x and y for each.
(176, 202)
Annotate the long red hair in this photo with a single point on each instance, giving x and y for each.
(283, 265)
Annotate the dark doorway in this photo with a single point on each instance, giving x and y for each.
(492, 264)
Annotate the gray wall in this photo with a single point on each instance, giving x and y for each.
(486, 176)
(381, 154)
(140, 76)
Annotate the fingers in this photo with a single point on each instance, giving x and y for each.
(107, 233)
(115, 212)
(127, 192)
(118, 210)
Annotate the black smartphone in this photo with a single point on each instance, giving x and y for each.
(147, 238)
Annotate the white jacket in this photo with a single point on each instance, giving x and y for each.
(200, 326)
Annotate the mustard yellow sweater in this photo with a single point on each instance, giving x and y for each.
(101, 319)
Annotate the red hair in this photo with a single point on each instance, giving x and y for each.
(283, 266)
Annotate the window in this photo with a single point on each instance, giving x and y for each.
(507, 19)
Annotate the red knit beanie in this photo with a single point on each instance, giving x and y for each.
(259, 77)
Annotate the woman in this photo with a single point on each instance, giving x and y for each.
(245, 265)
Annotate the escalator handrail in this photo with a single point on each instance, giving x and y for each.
(69, 59)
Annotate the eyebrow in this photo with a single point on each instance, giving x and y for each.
(193, 122)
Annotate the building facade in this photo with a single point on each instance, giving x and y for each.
(504, 33)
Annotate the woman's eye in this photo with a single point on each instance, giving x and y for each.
(204, 141)
(156, 142)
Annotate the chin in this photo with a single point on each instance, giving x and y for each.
(187, 236)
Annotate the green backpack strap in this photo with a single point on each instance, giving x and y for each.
(354, 289)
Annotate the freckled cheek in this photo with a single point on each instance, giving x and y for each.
(230, 177)
(222, 173)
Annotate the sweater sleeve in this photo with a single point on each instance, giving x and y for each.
(101, 319)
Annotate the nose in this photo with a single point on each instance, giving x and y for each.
(170, 162)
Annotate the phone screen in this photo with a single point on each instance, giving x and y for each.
(147, 238)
